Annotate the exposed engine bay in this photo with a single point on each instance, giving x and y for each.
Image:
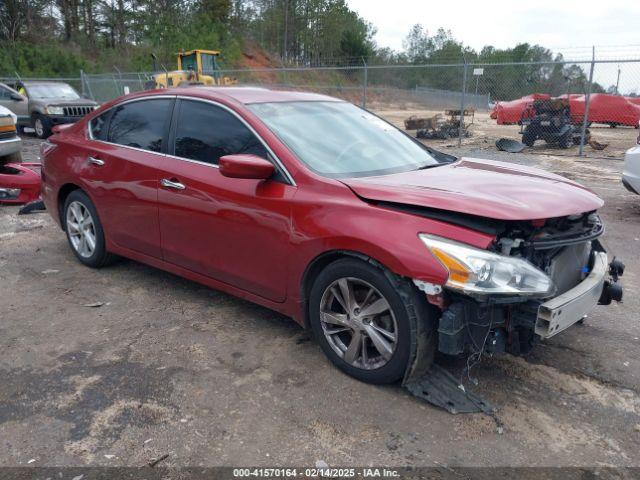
(565, 249)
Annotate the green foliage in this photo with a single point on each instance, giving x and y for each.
(40, 60)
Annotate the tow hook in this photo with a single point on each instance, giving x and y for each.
(612, 291)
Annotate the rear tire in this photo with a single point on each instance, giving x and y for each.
(384, 339)
(84, 231)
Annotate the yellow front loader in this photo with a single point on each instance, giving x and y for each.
(194, 67)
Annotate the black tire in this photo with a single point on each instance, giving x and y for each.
(528, 137)
(41, 126)
(100, 256)
(404, 300)
(566, 140)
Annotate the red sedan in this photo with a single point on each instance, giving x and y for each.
(387, 250)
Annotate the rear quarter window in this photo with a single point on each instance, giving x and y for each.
(141, 124)
(97, 127)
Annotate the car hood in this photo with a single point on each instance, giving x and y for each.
(65, 101)
(482, 188)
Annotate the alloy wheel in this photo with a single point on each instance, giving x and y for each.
(358, 323)
(39, 127)
(81, 229)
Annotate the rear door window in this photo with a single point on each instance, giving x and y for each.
(142, 124)
(205, 132)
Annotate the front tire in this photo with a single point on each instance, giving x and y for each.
(84, 230)
(363, 320)
(41, 126)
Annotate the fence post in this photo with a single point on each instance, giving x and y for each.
(587, 100)
(364, 84)
(86, 80)
(82, 91)
(462, 101)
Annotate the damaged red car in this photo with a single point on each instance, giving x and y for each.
(386, 249)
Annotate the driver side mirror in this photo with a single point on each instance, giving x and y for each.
(17, 97)
(246, 166)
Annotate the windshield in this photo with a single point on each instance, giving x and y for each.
(189, 62)
(338, 139)
(54, 90)
(208, 62)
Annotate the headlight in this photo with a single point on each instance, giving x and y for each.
(55, 110)
(472, 270)
(9, 193)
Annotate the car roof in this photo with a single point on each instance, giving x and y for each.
(29, 83)
(249, 95)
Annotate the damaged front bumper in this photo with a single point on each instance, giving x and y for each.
(494, 324)
(561, 312)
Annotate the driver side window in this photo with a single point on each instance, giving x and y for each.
(205, 132)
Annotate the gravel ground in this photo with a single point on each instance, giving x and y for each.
(166, 366)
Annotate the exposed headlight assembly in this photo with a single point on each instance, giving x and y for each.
(9, 193)
(475, 271)
(55, 110)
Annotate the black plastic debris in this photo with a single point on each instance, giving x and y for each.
(509, 145)
(442, 389)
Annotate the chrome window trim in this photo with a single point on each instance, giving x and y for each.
(279, 163)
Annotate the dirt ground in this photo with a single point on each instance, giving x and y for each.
(166, 366)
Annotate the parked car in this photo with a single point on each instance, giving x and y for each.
(10, 143)
(42, 105)
(631, 172)
(19, 182)
(386, 249)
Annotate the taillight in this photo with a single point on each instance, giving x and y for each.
(47, 147)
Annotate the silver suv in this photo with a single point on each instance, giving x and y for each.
(41, 105)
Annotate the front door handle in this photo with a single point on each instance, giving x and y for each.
(165, 182)
(95, 161)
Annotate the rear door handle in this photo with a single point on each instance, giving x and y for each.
(95, 161)
(165, 182)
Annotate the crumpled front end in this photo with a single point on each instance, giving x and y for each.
(566, 250)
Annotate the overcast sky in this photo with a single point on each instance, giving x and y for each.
(567, 26)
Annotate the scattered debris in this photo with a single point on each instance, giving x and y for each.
(437, 127)
(442, 389)
(147, 440)
(32, 460)
(509, 145)
(49, 271)
(321, 464)
(597, 145)
(109, 456)
(156, 461)
(418, 123)
(36, 205)
(94, 305)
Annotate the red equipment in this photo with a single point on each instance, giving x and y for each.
(19, 183)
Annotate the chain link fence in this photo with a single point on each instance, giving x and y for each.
(586, 107)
